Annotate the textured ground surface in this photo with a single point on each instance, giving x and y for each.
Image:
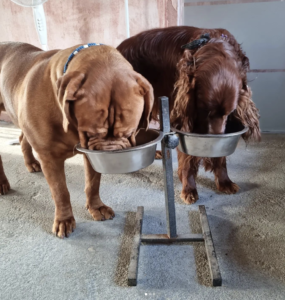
(248, 231)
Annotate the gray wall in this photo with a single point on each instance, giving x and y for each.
(260, 27)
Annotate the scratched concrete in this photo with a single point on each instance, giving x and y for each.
(248, 231)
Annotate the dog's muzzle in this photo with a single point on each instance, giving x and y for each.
(108, 144)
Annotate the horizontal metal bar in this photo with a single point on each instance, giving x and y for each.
(165, 239)
(133, 267)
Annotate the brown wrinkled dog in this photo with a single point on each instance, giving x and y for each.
(206, 86)
(100, 101)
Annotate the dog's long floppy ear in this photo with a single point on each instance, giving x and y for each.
(146, 91)
(67, 90)
(243, 59)
(182, 115)
(247, 113)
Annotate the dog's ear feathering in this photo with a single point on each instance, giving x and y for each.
(248, 114)
(182, 114)
(67, 90)
(146, 91)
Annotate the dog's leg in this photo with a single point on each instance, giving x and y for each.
(31, 163)
(4, 183)
(53, 169)
(187, 171)
(219, 167)
(95, 206)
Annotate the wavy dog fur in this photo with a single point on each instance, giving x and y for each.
(193, 80)
(247, 113)
(188, 67)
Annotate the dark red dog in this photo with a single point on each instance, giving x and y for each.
(206, 83)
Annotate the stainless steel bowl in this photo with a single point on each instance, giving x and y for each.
(210, 145)
(127, 160)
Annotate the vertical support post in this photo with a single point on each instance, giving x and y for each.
(167, 168)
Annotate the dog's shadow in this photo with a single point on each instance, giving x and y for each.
(247, 186)
(209, 183)
(206, 182)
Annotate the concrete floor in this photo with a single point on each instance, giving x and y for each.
(248, 231)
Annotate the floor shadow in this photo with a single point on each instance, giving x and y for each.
(208, 183)
(247, 186)
(259, 244)
(250, 250)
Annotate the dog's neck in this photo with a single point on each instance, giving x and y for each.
(70, 57)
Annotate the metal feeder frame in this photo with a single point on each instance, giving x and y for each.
(169, 142)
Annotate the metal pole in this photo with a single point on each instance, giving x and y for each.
(127, 18)
(169, 142)
(167, 169)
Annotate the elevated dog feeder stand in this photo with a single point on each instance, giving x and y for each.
(169, 142)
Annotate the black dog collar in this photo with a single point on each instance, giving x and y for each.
(204, 38)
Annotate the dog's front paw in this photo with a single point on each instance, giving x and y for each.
(4, 185)
(227, 187)
(189, 196)
(63, 228)
(101, 213)
(34, 166)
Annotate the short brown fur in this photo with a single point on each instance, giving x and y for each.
(100, 102)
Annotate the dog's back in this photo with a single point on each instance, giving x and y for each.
(16, 61)
(156, 47)
(155, 53)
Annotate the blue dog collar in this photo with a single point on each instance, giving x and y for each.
(76, 51)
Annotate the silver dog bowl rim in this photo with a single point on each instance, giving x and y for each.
(219, 136)
(130, 159)
(208, 145)
(149, 144)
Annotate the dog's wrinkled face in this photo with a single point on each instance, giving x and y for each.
(108, 118)
(108, 109)
(216, 95)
